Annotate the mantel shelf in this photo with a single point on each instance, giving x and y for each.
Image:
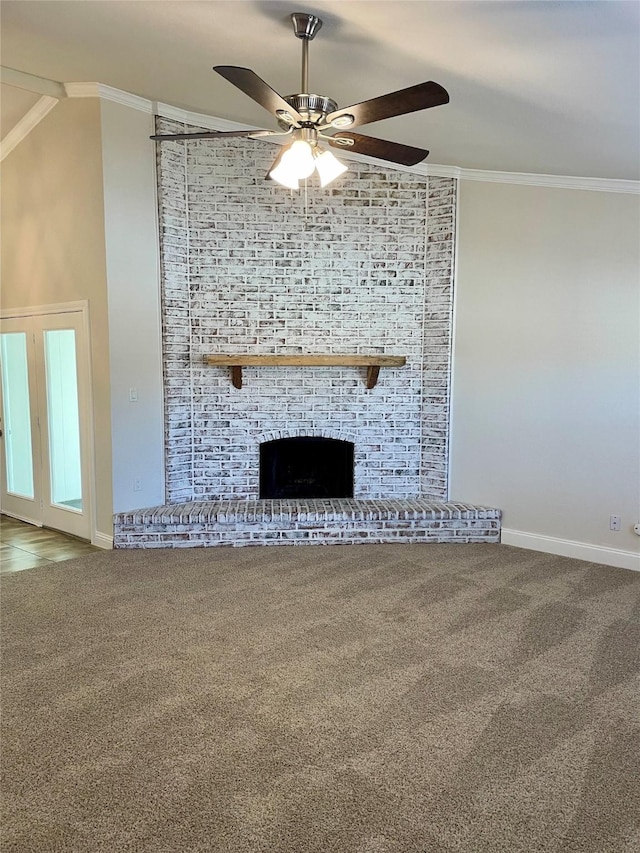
(236, 361)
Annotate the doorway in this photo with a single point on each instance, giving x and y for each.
(44, 389)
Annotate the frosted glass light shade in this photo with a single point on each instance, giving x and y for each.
(284, 176)
(329, 167)
(299, 158)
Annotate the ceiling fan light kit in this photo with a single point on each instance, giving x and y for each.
(294, 164)
(309, 119)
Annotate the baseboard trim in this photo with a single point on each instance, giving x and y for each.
(101, 540)
(569, 548)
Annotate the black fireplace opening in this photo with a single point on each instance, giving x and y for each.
(306, 467)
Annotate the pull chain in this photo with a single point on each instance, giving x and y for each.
(306, 204)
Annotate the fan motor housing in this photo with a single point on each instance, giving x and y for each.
(313, 108)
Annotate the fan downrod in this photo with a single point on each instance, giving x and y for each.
(305, 26)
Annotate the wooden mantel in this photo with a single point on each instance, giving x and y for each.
(236, 361)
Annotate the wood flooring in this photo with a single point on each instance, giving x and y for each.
(24, 546)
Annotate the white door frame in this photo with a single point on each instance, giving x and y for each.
(80, 306)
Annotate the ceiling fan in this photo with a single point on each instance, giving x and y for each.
(310, 119)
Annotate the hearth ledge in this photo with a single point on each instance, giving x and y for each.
(295, 522)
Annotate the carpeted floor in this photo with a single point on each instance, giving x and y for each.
(342, 699)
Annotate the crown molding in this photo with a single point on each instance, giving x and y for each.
(31, 83)
(423, 169)
(26, 124)
(108, 93)
(82, 90)
(566, 182)
(569, 182)
(197, 119)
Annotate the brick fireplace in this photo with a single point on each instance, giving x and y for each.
(365, 267)
(249, 267)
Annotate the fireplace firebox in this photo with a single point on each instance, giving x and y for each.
(306, 467)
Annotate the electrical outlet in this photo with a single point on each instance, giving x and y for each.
(614, 522)
(137, 485)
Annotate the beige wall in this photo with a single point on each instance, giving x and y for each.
(133, 275)
(53, 245)
(546, 361)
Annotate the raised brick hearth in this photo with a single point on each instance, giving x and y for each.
(298, 522)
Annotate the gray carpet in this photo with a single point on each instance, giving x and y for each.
(333, 699)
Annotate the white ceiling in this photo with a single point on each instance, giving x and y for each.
(541, 87)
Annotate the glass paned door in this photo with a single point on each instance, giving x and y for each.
(44, 366)
(62, 370)
(16, 414)
(63, 419)
(20, 439)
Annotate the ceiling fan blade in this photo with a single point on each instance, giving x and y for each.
(212, 134)
(256, 88)
(419, 97)
(395, 152)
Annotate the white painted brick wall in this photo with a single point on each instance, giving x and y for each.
(363, 267)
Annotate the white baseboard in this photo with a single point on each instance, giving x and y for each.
(568, 548)
(101, 540)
